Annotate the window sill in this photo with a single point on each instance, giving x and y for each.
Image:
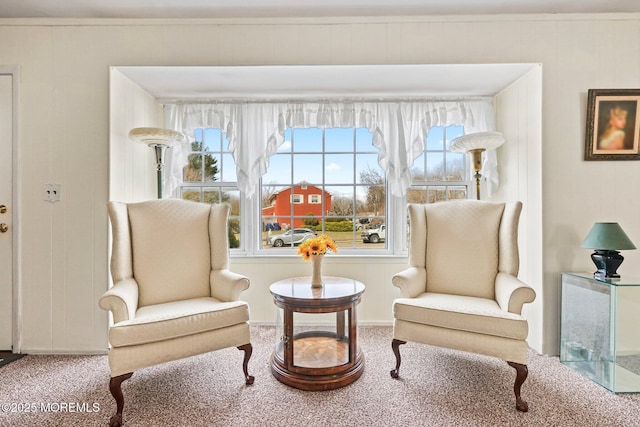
(337, 259)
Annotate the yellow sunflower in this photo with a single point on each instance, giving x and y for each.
(317, 246)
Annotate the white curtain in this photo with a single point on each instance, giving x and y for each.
(185, 118)
(256, 129)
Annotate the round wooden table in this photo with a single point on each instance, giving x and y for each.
(313, 358)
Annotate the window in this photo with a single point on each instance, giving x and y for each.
(438, 174)
(314, 199)
(325, 180)
(210, 177)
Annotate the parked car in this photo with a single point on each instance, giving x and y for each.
(297, 236)
(374, 235)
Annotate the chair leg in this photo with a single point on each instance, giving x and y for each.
(248, 349)
(115, 387)
(395, 344)
(521, 375)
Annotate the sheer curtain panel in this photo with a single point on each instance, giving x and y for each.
(255, 130)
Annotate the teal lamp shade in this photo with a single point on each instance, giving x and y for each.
(607, 238)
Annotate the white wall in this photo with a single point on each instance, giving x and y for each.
(65, 135)
(519, 117)
(132, 168)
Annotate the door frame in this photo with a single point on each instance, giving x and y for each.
(16, 261)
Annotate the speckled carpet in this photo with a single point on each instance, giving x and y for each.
(7, 357)
(437, 387)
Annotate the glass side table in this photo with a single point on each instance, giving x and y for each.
(599, 334)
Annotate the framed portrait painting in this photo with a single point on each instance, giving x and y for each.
(613, 124)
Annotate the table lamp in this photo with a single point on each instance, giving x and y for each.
(159, 139)
(607, 238)
(475, 144)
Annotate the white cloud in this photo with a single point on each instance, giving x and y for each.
(332, 167)
(285, 146)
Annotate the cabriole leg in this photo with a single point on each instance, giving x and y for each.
(248, 349)
(395, 344)
(521, 375)
(115, 387)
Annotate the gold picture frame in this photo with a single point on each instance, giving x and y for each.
(613, 124)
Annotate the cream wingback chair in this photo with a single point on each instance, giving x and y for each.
(173, 294)
(461, 289)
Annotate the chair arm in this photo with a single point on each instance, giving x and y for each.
(512, 294)
(227, 285)
(412, 281)
(121, 300)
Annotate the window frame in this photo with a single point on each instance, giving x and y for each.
(219, 185)
(396, 213)
(314, 199)
(260, 249)
(448, 184)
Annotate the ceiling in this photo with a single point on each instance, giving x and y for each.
(325, 81)
(299, 8)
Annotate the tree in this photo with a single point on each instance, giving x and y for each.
(193, 171)
(268, 190)
(233, 240)
(342, 206)
(375, 189)
(455, 171)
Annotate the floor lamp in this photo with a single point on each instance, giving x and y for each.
(159, 139)
(475, 144)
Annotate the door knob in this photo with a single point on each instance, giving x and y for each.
(3, 209)
(3, 228)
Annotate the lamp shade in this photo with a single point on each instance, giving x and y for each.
(148, 135)
(477, 141)
(607, 236)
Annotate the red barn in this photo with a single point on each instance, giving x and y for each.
(307, 199)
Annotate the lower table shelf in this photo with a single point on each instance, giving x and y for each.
(320, 362)
(319, 351)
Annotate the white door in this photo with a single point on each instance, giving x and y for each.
(6, 212)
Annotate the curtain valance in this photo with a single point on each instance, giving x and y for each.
(256, 129)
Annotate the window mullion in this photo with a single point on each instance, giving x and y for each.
(323, 183)
(293, 184)
(321, 156)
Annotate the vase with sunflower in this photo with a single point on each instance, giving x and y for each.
(314, 249)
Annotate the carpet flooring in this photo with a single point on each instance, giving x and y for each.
(437, 387)
(6, 358)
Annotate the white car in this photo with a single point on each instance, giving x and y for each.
(297, 236)
(374, 235)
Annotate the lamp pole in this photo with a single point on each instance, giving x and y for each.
(159, 139)
(475, 144)
(476, 158)
(159, 150)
